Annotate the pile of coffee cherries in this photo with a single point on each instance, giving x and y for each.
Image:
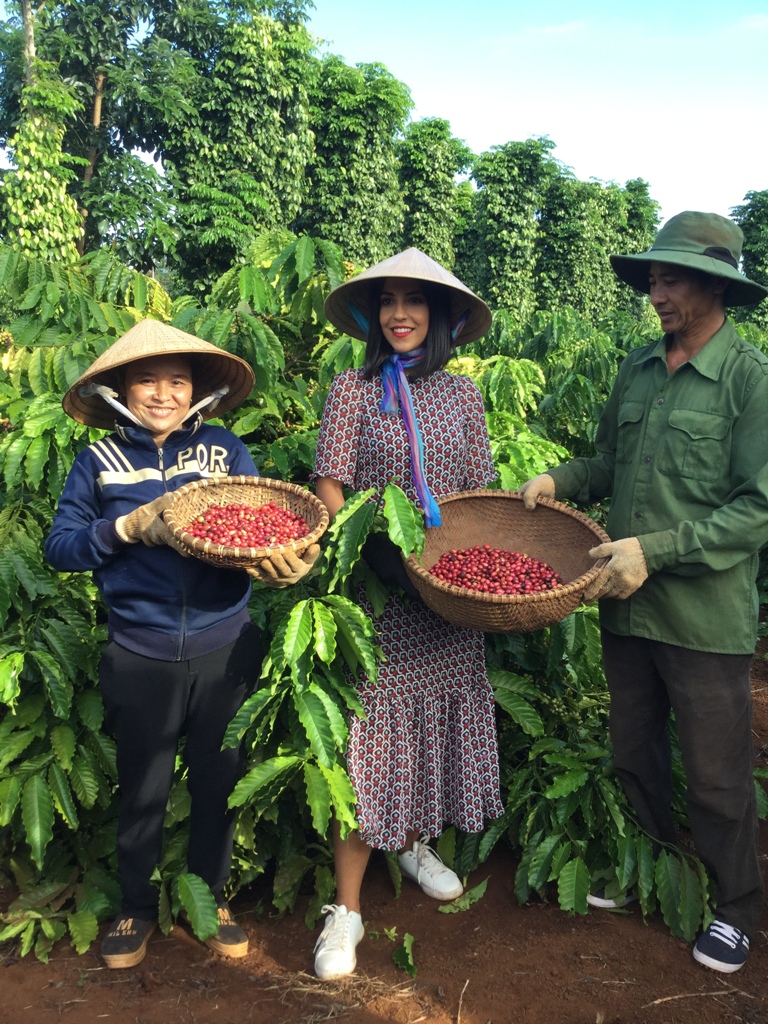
(495, 571)
(242, 526)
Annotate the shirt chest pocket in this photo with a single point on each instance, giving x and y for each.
(697, 445)
(630, 420)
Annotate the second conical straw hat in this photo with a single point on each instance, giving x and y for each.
(212, 368)
(414, 264)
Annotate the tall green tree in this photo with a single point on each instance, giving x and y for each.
(37, 214)
(97, 48)
(752, 218)
(539, 238)
(354, 196)
(214, 91)
(238, 163)
(430, 158)
(580, 225)
(510, 182)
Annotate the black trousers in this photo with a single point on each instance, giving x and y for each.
(710, 696)
(149, 705)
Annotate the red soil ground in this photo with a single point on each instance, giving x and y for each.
(498, 963)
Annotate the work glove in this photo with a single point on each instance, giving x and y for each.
(386, 559)
(623, 574)
(134, 526)
(541, 486)
(283, 570)
(159, 532)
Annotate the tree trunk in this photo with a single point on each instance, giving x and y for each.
(98, 97)
(28, 20)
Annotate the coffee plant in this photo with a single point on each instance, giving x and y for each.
(566, 818)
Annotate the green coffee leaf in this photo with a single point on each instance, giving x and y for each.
(261, 776)
(342, 795)
(247, 715)
(11, 666)
(298, 632)
(569, 782)
(667, 878)
(403, 955)
(10, 794)
(405, 520)
(198, 901)
(314, 718)
(62, 795)
(37, 816)
(318, 797)
(692, 901)
(84, 928)
(83, 781)
(466, 900)
(520, 711)
(573, 886)
(324, 633)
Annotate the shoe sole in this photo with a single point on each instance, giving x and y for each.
(117, 961)
(432, 893)
(596, 901)
(235, 951)
(715, 965)
(337, 974)
(441, 895)
(342, 974)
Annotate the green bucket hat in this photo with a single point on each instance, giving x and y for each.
(701, 241)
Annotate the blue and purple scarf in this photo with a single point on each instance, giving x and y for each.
(397, 399)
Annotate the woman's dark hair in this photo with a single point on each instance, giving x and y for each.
(439, 345)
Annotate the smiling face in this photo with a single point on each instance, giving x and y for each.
(158, 392)
(403, 314)
(684, 300)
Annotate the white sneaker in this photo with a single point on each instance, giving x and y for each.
(335, 949)
(424, 867)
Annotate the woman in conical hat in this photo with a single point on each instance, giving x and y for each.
(426, 753)
(182, 653)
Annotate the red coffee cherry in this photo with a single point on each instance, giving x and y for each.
(495, 571)
(242, 526)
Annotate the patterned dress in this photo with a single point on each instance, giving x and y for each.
(427, 753)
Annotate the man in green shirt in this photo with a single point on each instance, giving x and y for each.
(682, 451)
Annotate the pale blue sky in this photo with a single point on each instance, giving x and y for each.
(674, 92)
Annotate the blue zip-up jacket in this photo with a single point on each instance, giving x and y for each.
(160, 604)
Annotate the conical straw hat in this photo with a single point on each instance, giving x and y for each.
(213, 368)
(415, 264)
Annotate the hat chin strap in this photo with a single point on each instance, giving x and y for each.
(110, 397)
(212, 400)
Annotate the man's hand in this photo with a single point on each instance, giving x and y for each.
(541, 486)
(623, 575)
(133, 527)
(280, 571)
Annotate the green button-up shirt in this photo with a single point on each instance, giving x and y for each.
(684, 456)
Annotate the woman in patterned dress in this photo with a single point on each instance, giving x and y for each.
(426, 754)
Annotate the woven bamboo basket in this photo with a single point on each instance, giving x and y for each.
(553, 532)
(193, 499)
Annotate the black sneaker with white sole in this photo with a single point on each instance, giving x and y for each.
(722, 948)
(230, 940)
(125, 944)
